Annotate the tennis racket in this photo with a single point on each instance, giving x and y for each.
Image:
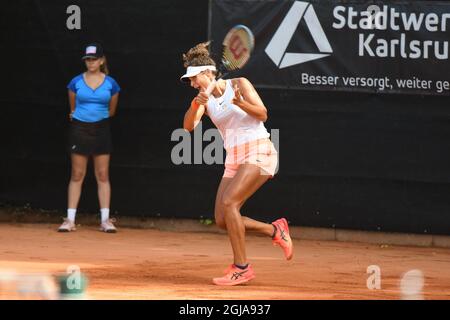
(237, 48)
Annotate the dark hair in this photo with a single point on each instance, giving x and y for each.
(198, 56)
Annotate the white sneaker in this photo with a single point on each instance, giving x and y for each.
(108, 226)
(67, 226)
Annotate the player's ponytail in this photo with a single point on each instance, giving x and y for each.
(198, 56)
(104, 66)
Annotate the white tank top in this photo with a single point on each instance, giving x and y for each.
(234, 124)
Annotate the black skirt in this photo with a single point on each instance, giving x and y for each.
(90, 138)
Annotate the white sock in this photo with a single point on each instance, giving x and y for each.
(105, 214)
(71, 214)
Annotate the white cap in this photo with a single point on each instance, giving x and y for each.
(193, 71)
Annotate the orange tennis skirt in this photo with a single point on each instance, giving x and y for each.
(261, 153)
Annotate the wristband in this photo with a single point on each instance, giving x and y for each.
(195, 105)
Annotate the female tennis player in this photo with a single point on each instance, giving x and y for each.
(238, 113)
(93, 97)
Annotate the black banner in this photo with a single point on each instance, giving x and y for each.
(369, 46)
(348, 160)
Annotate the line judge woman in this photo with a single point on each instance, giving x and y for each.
(93, 97)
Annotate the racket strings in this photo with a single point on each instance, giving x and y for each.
(237, 47)
(230, 62)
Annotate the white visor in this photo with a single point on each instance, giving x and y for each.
(193, 71)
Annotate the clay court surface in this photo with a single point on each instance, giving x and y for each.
(152, 264)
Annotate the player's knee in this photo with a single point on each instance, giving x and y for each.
(229, 203)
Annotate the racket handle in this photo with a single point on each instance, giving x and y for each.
(211, 87)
